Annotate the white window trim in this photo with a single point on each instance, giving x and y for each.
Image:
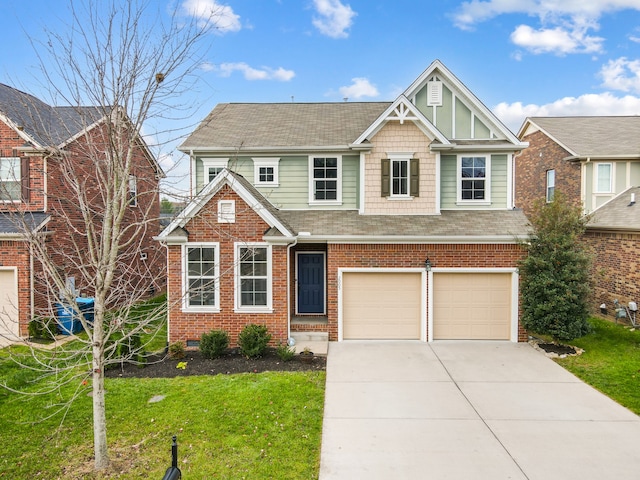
(229, 217)
(548, 185)
(266, 162)
(185, 278)
(268, 308)
(208, 163)
(312, 200)
(487, 180)
(596, 169)
(15, 180)
(400, 157)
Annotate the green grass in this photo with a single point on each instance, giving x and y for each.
(610, 362)
(229, 427)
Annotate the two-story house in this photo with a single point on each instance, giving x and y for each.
(381, 220)
(39, 146)
(595, 163)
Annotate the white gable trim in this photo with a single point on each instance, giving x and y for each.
(223, 178)
(437, 67)
(530, 123)
(21, 133)
(402, 110)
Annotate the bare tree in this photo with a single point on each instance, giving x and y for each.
(120, 69)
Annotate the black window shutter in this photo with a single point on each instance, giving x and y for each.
(24, 179)
(414, 177)
(386, 177)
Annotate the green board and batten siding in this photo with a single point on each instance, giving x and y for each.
(293, 189)
(449, 179)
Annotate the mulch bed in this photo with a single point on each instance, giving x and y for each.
(161, 366)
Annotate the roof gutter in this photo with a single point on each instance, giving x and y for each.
(289, 149)
(478, 147)
(413, 239)
(589, 158)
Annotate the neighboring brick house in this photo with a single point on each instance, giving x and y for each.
(594, 162)
(36, 141)
(380, 220)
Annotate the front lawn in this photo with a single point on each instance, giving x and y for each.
(264, 425)
(610, 362)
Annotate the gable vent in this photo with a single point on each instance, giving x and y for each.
(434, 94)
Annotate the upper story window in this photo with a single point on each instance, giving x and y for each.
(201, 271)
(603, 178)
(212, 167)
(551, 185)
(265, 171)
(10, 176)
(473, 183)
(133, 190)
(400, 176)
(253, 277)
(325, 180)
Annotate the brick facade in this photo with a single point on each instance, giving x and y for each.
(531, 167)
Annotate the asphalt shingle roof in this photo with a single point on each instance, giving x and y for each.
(595, 136)
(47, 125)
(256, 125)
(13, 223)
(619, 213)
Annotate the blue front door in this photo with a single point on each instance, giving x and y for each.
(311, 283)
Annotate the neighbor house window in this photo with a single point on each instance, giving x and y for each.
(473, 180)
(10, 175)
(253, 277)
(201, 273)
(551, 185)
(603, 178)
(265, 171)
(400, 176)
(325, 179)
(133, 190)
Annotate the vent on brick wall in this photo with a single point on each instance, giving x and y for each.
(193, 343)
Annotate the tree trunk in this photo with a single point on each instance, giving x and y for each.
(99, 412)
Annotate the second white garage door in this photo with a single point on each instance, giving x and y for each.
(471, 306)
(8, 306)
(381, 305)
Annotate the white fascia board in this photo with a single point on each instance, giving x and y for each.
(201, 151)
(506, 148)
(457, 239)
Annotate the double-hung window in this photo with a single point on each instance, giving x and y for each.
(400, 176)
(551, 185)
(10, 176)
(473, 183)
(603, 180)
(253, 277)
(201, 273)
(325, 175)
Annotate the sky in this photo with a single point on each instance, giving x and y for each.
(519, 57)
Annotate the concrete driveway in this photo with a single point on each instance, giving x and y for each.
(468, 410)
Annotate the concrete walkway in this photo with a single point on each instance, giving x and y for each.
(468, 410)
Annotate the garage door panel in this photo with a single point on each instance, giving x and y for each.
(8, 304)
(379, 305)
(472, 306)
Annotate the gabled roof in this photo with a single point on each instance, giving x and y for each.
(461, 90)
(619, 213)
(590, 137)
(402, 110)
(246, 191)
(282, 126)
(42, 124)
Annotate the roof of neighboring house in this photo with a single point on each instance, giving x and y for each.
(257, 125)
(618, 213)
(12, 223)
(450, 223)
(46, 125)
(593, 137)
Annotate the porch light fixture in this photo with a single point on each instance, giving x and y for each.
(427, 265)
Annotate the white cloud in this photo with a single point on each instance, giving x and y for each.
(513, 114)
(556, 40)
(564, 25)
(361, 87)
(333, 18)
(250, 73)
(222, 17)
(622, 75)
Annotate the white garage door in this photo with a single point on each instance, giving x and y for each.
(8, 306)
(381, 305)
(471, 306)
